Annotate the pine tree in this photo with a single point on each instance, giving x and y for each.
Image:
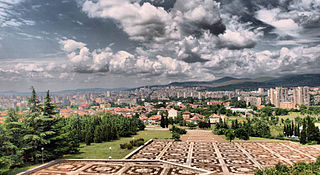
(33, 102)
(292, 128)
(162, 122)
(88, 138)
(97, 134)
(166, 122)
(48, 109)
(285, 131)
(303, 137)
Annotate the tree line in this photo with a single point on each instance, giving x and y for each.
(305, 129)
(41, 135)
(242, 130)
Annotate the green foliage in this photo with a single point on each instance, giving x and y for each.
(242, 133)
(33, 102)
(238, 104)
(202, 124)
(298, 168)
(312, 110)
(175, 129)
(191, 125)
(48, 107)
(256, 128)
(129, 146)
(230, 134)
(309, 132)
(176, 136)
(24, 139)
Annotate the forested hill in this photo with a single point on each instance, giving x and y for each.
(230, 83)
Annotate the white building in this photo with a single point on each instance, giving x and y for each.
(172, 113)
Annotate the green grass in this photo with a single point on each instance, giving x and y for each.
(102, 151)
(293, 115)
(19, 170)
(251, 138)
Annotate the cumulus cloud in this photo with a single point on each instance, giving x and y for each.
(143, 22)
(284, 26)
(186, 40)
(146, 22)
(125, 63)
(181, 32)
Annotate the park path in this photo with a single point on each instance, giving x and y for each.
(201, 136)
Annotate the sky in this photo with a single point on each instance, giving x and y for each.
(75, 44)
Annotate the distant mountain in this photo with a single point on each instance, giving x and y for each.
(197, 83)
(225, 83)
(62, 92)
(312, 80)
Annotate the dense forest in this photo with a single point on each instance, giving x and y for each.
(42, 136)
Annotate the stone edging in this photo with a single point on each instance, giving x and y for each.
(51, 163)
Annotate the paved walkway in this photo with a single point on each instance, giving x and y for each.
(201, 136)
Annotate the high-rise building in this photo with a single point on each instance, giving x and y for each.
(278, 95)
(255, 101)
(261, 91)
(301, 96)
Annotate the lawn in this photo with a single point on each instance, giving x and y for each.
(102, 151)
(19, 170)
(293, 115)
(251, 138)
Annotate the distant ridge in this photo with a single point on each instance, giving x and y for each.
(312, 80)
(225, 83)
(230, 83)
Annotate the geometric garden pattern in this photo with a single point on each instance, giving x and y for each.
(200, 153)
(238, 157)
(115, 167)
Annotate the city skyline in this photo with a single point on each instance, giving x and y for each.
(60, 45)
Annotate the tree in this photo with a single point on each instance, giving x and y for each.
(162, 122)
(242, 133)
(166, 122)
(33, 102)
(303, 135)
(88, 137)
(230, 134)
(48, 108)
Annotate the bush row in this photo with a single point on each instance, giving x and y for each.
(132, 143)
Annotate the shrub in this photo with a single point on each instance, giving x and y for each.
(123, 146)
(133, 142)
(129, 146)
(140, 139)
(302, 168)
(178, 130)
(139, 143)
(176, 136)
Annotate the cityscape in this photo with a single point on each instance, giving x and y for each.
(159, 87)
(131, 102)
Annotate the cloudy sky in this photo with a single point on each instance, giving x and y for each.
(72, 44)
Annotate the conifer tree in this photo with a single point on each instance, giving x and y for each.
(33, 102)
(303, 136)
(162, 122)
(166, 122)
(48, 108)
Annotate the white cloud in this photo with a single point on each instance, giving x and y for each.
(9, 17)
(125, 63)
(71, 45)
(284, 26)
(139, 22)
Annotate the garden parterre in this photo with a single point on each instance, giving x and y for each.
(238, 157)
